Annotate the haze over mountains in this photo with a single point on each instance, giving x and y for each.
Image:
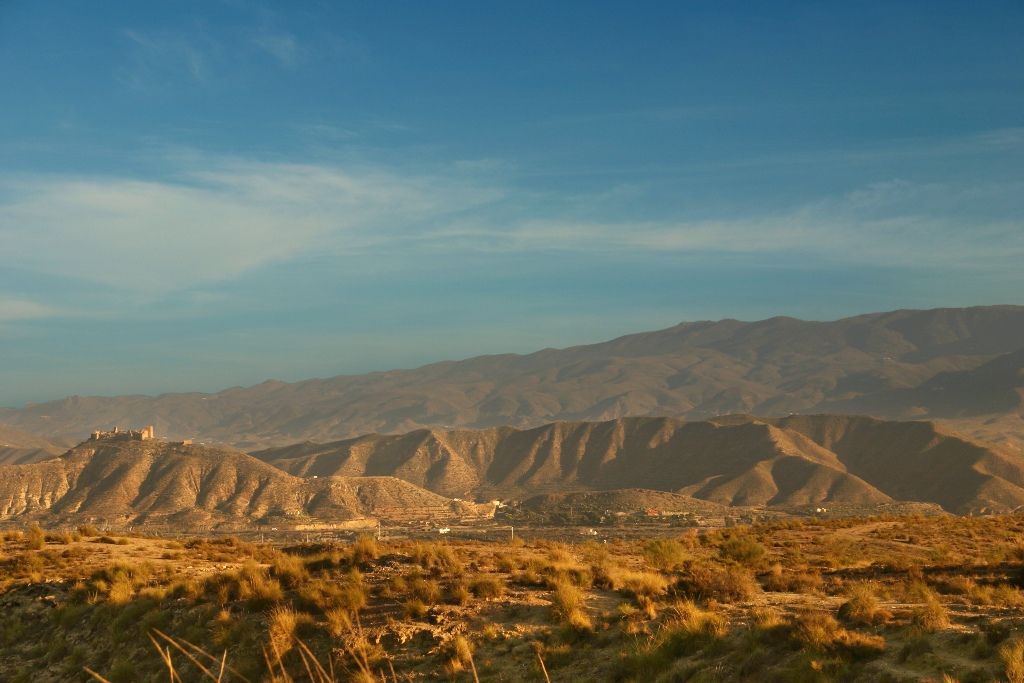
(960, 365)
(19, 447)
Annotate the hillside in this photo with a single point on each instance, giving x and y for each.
(159, 484)
(734, 460)
(18, 447)
(892, 365)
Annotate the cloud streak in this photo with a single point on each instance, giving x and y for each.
(14, 308)
(211, 224)
(215, 219)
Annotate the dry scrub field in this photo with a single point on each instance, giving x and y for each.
(878, 599)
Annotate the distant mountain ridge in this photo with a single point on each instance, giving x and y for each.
(18, 447)
(732, 461)
(891, 365)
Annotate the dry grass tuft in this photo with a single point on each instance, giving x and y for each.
(487, 587)
(931, 615)
(862, 607)
(568, 604)
(1012, 656)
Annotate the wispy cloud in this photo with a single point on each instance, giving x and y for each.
(280, 45)
(14, 308)
(215, 223)
(156, 56)
(214, 219)
(892, 223)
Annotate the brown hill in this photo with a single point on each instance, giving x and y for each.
(733, 460)
(124, 483)
(867, 363)
(18, 447)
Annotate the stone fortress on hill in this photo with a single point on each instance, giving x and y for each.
(144, 434)
(147, 433)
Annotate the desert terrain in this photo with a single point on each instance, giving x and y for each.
(912, 598)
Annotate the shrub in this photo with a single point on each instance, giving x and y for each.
(436, 558)
(643, 584)
(742, 549)
(821, 632)
(338, 621)
(665, 554)
(779, 580)
(281, 627)
(692, 621)
(1012, 654)
(35, 538)
(568, 604)
(765, 618)
(460, 651)
(931, 616)
(427, 591)
(415, 608)
(712, 582)
(566, 571)
(862, 607)
(289, 570)
(487, 587)
(364, 549)
(121, 591)
(458, 593)
(686, 630)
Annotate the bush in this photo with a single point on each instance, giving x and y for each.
(289, 570)
(427, 591)
(779, 580)
(820, 632)
(694, 621)
(742, 549)
(487, 587)
(665, 554)
(863, 608)
(568, 604)
(35, 538)
(459, 594)
(415, 608)
(364, 550)
(931, 616)
(1012, 654)
(712, 582)
(436, 558)
(460, 651)
(281, 627)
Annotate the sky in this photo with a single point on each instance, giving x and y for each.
(198, 195)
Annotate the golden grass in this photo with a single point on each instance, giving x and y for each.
(568, 605)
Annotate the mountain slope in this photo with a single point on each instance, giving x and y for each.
(18, 447)
(124, 483)
(732, 460)
(693, 370)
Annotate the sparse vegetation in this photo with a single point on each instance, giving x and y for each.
(644, 611)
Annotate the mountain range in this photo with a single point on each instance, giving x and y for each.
(160, 484)
(961, 365)
(734, 460)
(640, 462)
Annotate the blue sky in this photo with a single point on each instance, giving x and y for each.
(195, 195)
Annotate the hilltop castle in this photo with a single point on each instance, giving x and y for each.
(144, 434)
